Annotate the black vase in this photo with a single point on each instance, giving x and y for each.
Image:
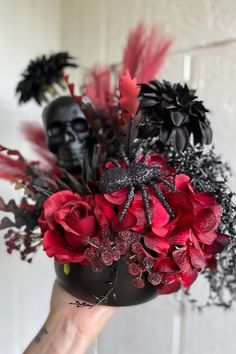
(112, 286)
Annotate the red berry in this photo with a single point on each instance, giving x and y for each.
(134, 269)
(138, 283)
(154, 278)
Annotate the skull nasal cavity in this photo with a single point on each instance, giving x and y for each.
(69, 135)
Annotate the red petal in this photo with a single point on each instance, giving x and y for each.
(171, 285)
(188, 279)
(55, 201)
(55, 246)
(117, 198)
(205, 220)
(197, 259)
(207, 238)
(181, 258)
(180, 239)
(212, 264)
(206, 199)
(165, 265)
(160, 219)
(84, 227)
(127, 223)
(157, 244)
(181, 181)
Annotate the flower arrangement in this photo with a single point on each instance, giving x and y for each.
(148, 195)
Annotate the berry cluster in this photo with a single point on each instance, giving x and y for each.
(112, 246)
(24, 242)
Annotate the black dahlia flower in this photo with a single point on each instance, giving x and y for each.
(174, 114)
(40, 76)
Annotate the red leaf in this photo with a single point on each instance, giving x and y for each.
(128, 95)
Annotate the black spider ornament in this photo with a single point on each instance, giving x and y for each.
(136, 175)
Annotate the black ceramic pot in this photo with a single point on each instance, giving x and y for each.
(112, 285)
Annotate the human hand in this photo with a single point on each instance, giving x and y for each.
(68, 329)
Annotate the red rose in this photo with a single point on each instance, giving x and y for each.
(67, 219)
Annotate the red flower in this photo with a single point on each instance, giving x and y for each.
(172, 282)
(172, 278)
(67, 219)
(129, 91)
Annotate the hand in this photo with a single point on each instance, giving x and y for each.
(68, 329)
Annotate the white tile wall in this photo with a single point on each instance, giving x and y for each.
(95, 31)
(27, 28)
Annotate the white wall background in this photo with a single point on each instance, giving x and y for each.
(95, 31)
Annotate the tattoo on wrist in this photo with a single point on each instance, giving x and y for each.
(43, 331)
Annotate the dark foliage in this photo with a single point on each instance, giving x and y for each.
(174, 113)
(209, 174)
(40, 76)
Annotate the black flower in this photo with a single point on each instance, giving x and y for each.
(40, 76)
(174, 113)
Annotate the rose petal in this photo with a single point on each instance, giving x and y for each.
(85, 227)
(55, 201)
(54, 245)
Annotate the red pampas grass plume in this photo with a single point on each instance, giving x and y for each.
(99, 88)
(145, 52)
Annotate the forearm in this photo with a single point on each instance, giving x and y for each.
(59, 335)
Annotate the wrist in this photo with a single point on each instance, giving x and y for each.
(67, 335)
(60, 335)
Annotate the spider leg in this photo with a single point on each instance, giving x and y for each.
(124, 156)
(162, 199)
(163, 178)
(116, 162)
(145, 157)
(168, 184)
(127, 203)
(146, 204)
(138, 150)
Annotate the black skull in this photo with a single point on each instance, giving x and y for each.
(67, 132)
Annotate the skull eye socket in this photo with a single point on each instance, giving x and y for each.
(79, 125)
(54, 130)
